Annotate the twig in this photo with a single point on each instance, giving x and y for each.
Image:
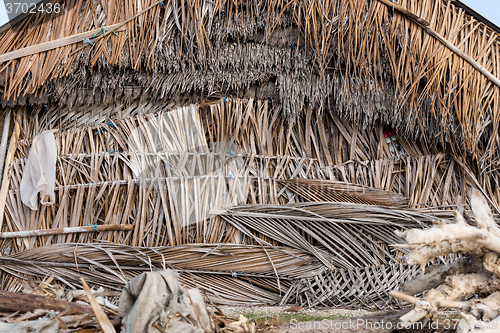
(102, 318)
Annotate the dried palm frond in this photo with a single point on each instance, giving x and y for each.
(225, 273)
(354, 234)
(333, 191)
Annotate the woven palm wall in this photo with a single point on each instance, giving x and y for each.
(231, 173)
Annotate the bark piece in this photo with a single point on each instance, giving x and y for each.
(23, 302)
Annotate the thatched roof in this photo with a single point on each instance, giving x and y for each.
(367, 61)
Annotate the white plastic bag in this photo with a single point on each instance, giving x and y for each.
(39, 173)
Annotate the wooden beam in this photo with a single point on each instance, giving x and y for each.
(23, 302)
(405, 12)
(78, 38)
(5, 138)
(10, 156)
(60, 231)
(425, 25)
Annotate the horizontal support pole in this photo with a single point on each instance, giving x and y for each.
(47, 46)
(61, 231)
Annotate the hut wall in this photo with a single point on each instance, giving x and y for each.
(146, 165)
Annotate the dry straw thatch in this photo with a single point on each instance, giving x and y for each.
(210, 268)
(362, 58)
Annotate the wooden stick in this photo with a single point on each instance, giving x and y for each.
(60, 231)
(23, 302)
(10, 156)
(102, 318)
(5, 138)
(78, 38)
(405, 12)
(425, 25)
(404, 297)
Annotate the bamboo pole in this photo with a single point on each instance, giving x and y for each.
(5, 135)
(47, 46)
(72, 230)
(78, 38)
(10, 156)
(425, 25)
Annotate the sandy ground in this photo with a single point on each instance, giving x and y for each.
(302, 327)
(350, 321)
(266, 310)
